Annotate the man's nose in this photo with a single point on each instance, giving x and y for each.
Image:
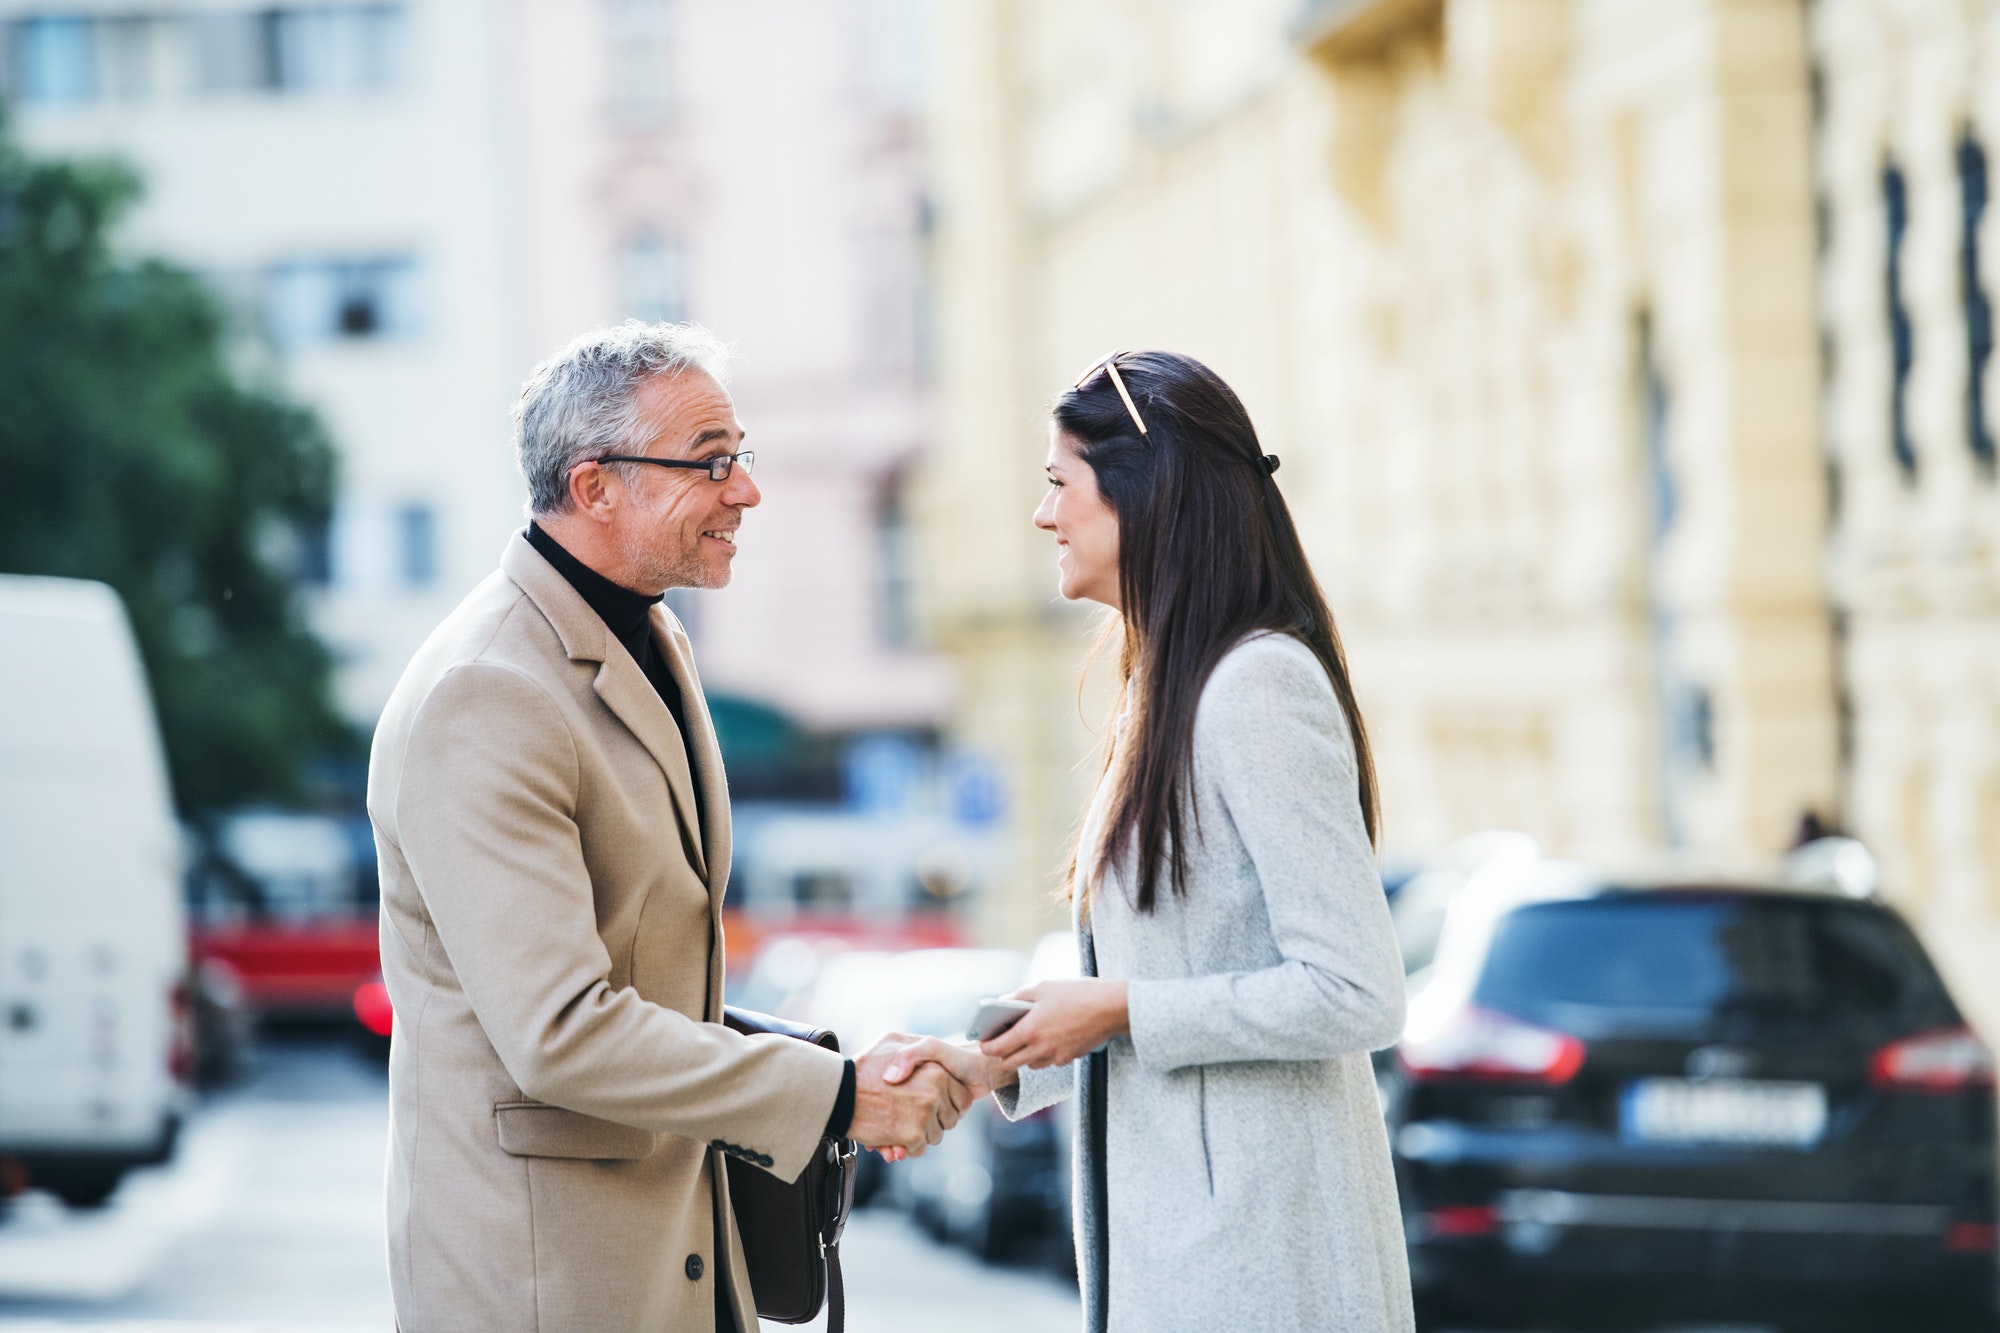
(743, 492)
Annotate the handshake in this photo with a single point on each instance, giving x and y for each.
(909, 1090)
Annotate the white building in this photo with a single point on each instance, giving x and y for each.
(411, 203)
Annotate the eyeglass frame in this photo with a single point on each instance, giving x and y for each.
(1109, 361)
(718, 468)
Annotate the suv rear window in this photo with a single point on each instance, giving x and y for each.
(1701, 952)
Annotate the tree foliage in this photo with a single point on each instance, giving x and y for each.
(130, 453)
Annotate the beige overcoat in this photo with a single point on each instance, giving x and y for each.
(562, 1095)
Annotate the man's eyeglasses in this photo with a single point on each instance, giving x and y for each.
(718, 468)
(1109, 362)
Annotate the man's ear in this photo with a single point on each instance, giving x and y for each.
(591, 492)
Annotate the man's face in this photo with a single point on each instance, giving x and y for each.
(678, 528)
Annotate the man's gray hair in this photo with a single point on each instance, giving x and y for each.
(579, 404)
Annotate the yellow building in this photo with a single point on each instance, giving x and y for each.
(1527, 295)
(1909, 102)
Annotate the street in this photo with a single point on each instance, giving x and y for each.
(270, 1219)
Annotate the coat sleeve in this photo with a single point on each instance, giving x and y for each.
(1271, 737)
(486, 819)
(1037, 1090)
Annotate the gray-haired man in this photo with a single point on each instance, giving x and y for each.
(553, 829)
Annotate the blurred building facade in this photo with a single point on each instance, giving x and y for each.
(410, 203)
(1908, 109)
(1568, 320)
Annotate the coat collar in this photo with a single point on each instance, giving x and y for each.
(624, 689)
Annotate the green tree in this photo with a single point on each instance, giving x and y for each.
(130, 453)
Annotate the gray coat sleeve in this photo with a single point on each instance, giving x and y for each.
(1037, 1089)
(1270, 736)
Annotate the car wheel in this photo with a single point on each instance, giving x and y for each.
(85, 1189)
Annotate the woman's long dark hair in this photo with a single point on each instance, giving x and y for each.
(1207, 554)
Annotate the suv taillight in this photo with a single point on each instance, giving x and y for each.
(1946, 1060)
(1481, 1044)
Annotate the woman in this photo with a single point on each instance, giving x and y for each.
(1232, 1171)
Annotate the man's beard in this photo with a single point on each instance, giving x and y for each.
(675, 568)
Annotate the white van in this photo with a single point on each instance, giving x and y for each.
(93, 945)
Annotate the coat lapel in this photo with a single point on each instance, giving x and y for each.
(703, 745)
(626, 692)
(619, 683)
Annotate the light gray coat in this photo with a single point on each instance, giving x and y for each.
(1232, 1170)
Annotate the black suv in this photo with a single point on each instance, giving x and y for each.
(1618, 1102)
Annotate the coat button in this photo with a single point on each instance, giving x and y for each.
(694, 1268)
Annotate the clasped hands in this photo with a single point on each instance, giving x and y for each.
(909, 1090)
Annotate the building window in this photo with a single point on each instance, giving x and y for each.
(1694, 727)
(652, 280)
(231, 53)
(59, 59)
(1902, 333)
(1682, 725)
(1654, 405)
(416, 545)
(1978, 308)
(641, 59)
(895, 560)
(127, 52)
(314, 555)
(333, 50)
(54, 60)
(323, 300)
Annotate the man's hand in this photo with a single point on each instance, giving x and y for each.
(901, 1116)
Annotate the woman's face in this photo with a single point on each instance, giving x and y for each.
(1085, 528)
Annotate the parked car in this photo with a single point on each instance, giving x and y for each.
(1699, 1100)
(96, 1009)
(286, 904)
(987, 1182)
(986, 1186)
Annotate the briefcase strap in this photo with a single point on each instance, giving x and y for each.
(836, 1293)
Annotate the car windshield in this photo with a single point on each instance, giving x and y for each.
(1702, 952)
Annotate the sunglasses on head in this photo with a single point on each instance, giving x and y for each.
(1109, 362)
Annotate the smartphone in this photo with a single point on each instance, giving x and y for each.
(995, 1016)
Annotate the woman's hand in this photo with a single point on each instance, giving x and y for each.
(1069, 1021)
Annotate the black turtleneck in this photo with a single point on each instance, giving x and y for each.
(629, 617)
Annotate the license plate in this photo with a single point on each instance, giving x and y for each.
(1675, 1110)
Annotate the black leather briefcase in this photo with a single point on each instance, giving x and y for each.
(791, 1233)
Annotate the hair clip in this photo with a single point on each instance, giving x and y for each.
(1270, 462)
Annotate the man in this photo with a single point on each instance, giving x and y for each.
(553, 830)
